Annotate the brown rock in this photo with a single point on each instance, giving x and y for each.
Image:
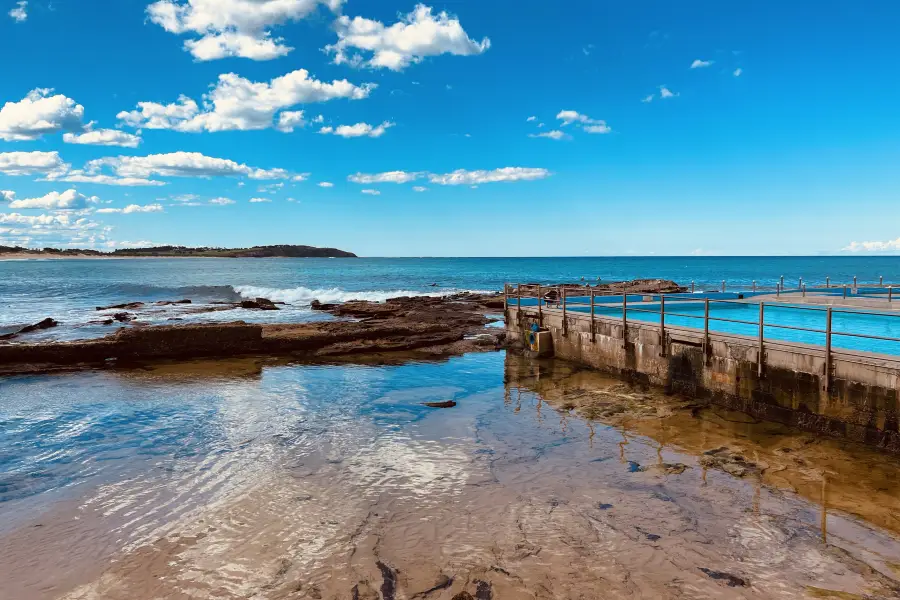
(47, 323)
(447, 404)
(259, 304)
(128, 306)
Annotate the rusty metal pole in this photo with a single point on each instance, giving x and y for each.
(565, 320)
(800, 285)
(723, 286)
(519, 297)
(828, 350)
(662, 325)
(540, 308)
(782, 282)
(624, 318)
(505, 297)
(593, 330)
(845, 291)
(804, 290)
(828, 282)
(692, 287)
(890, 293)
(855, 285)
(706, 330)
(762, 336)
(754, 285)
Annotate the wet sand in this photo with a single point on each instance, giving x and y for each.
(547, 481)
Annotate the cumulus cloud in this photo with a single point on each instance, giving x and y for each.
(133, 208)
(240, 28)
(39, 113)
(221, 201)
(325, 184)
(665, 92)
(82, 176)
(421, 33)
(507, 174)
(887, 246)
(372, 192)
(31, 163)
(236, 103)
(7, 195)
(68, 200)
(61, 228)
(553, 135)
(180, 164)
(568, 117)
(420, 188)
(358, 130)
(387, 177)
(530, 119)
(20, 12)
(290, 120)
(647, 99)
(259, 200)
(103, 137)
(701, 64)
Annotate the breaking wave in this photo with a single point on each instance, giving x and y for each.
(303, 295)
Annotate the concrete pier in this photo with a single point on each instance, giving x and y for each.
(852, 395)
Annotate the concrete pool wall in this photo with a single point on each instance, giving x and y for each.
(858, 400)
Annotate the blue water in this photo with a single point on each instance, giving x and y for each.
(70, 290)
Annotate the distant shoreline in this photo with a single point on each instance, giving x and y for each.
(280, 251)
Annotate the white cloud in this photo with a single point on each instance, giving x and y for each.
(290, 120)
(272, 188)
(58, 229)
(417, 35)
(68, 200)
(387, 177)
(259, 200)
(701, 64)
(325, 184)
(181, 164)
(20, 12)
(236, 103)
(738, 72)
(133, 208)
(221, 201)
(81, 176)
(530, 119)
(463, 177)
(553, 135)
(31, 163)
(665, 92)
(358, 130)
(590, 125)
(239, 28)
(39, 113)
(372, 192)
(419, 188)
(888, 246)
(103, 137)
(647, 99)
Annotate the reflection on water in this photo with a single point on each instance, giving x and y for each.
(269, 480)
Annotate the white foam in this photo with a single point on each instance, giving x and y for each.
(305, 296)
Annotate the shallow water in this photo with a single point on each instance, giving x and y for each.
(260, 479)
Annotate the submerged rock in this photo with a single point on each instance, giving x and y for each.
(447, 404)
(47, 323)
(729, 579)
(127, 306)
(259, 304)
(730, 462)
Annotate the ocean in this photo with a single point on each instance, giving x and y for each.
(70, 290)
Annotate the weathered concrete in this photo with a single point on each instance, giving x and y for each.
(861, 403)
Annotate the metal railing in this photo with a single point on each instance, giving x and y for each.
(564, 297)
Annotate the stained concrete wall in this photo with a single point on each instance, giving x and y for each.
(861, 403)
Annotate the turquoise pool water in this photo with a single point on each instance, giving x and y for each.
(806, 316)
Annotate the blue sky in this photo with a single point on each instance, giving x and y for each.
(777, 132)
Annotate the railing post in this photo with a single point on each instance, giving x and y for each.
(782, 282)
(754, 285)
(778, 290)
(855, 285)
(540, 308)
(624, 318)
(804, 290)
(890, 293)
(723, 286)
(762, 336)
(562, 297)
(827, 282)
(519, 297)
(662, 325)
(505, 298)
(881, 281)
(845, 291)
(692, 287)
(828, 350)
(593, 331)
(706, 349)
